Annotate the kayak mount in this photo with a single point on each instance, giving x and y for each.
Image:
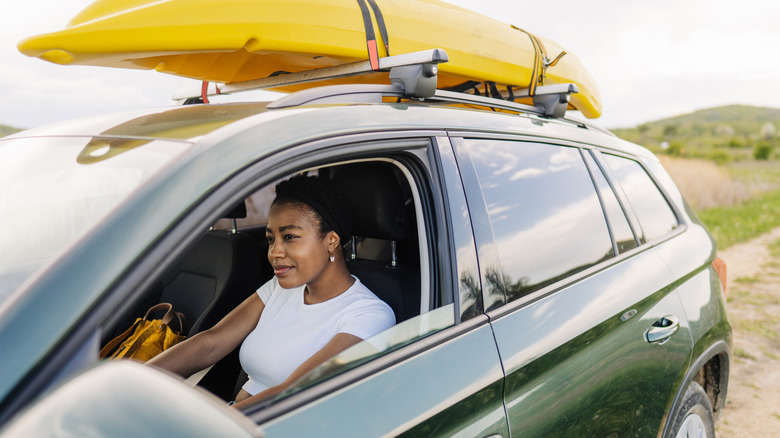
(415, 71)
(412, 76)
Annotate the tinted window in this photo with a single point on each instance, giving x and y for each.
(653, 211)
(618, 223)
(546, 216)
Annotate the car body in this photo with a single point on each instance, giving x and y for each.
(548, 278)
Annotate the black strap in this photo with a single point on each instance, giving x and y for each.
(460, 88)
(494, 93)
(380, 20)
(371, 45)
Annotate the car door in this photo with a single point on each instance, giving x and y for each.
(592, 335)
(436, 374)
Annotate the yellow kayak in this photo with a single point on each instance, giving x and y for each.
(230, 41)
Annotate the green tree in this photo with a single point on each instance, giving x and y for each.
(762, 151)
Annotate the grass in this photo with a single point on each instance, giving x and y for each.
(767, 353)
(774, 248)
(737, 202)
(742, 222)
(706, 185)
(761, 327)
(739, 352)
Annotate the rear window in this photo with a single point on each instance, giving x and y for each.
(546, 216)
(55, 189)
(655, 215)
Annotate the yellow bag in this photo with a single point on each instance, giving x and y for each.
(146, 338)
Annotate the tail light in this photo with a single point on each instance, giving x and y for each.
(720, 268)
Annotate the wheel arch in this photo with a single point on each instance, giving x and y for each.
(711, 371)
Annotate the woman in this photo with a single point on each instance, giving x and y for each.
(310, 311)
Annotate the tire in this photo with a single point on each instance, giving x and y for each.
(694, 418)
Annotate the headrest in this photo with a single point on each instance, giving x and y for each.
(238, 212)
(375, 199)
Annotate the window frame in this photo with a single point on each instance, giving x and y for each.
(588, 152)
(634, 222)
(478, 211)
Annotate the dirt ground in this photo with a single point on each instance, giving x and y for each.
(753, 401)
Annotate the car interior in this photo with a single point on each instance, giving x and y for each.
(229, 262)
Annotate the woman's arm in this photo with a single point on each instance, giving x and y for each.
(207, 347)
(336, 345)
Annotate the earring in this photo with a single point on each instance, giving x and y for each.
(332, 259)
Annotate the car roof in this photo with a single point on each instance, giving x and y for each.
(195, 123)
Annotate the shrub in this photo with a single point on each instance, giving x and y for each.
(762, 151)
(720, 156)
(735, 142)
(675, 149)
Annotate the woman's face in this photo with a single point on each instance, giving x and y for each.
(296, 250)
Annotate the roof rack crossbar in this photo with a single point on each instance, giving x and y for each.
(370, 93)
(426, 57)
(412, 75)
(474, 99)
(358, 93)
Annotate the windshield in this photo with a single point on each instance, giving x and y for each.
(55, 189)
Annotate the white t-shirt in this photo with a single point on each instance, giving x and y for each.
(289, 331)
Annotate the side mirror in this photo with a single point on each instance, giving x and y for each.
(127, 399)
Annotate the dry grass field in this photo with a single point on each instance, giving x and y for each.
(706, 184)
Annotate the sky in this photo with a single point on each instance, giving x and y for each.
(651, 60)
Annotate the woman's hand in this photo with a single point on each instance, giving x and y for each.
(206, 348)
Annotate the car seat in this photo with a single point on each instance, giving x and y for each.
(215, 276)
(381, 208)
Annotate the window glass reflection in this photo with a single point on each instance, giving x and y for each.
(50, 195)
(546, 217)
(653, 211)
(621, 231)
(389, 340)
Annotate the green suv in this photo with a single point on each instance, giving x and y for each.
(547, 278)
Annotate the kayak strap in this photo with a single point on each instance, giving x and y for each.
(204, 91)
(555, 61)
(540, 56)
(541, 62)
(371, 44)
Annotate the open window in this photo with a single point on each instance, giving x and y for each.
(389, 253)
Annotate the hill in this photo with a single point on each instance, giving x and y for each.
(723, 133)
(7, 130)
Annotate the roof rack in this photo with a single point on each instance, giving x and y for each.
(412, 76)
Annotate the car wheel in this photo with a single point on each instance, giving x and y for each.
(694, 418)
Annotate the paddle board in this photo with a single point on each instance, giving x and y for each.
(230, 41)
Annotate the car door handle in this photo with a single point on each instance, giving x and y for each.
(662, 330)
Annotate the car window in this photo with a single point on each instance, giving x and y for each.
(388, 253)
(389, 340)
(546, 216)
(621, 230)
(653, 211)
